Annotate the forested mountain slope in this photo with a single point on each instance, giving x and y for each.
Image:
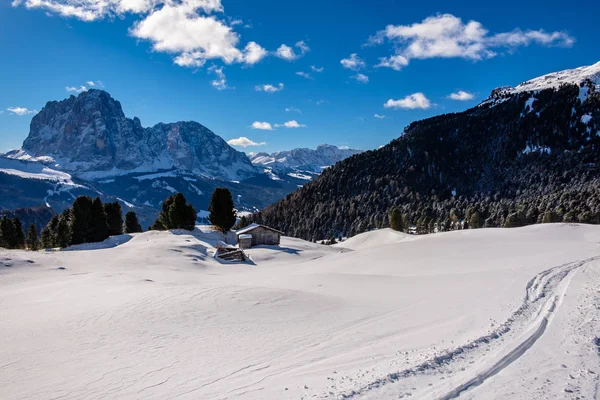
(518, 158)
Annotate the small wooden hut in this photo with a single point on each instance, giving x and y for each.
(260, 235)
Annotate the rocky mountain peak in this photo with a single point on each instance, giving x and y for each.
(89, 134)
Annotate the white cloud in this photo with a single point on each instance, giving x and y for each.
(322, 101)
(263, 126)
(91, 83)
(461, 95)
(269, 88)
(362, 78)
(447, 36)
(395, 62)
(290, 124)
(293, 109)
(379, 116)
(253, 53)
(221, 82)
(317, 69)
(343, 147)
(354, 62)
(188, 29)
(20, 110)
(76, 89)
(287, 53)
(91, 10)
(304, 75)
(243, 141)
(413, 101)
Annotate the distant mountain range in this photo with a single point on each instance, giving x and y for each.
(85, 145)
(301, 163)
(525, 155)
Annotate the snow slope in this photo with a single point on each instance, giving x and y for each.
(485, 314)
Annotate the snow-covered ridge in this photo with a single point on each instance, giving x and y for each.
(578, 76)
(555, 79)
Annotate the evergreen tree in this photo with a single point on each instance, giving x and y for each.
(132, 224)
(19, 234)
(176, 214)
(7, 234)
(62, 235)
(475, 222)
(99, 222)
(81, 218)
(114, 216)
(396, 220)
(32, 241)
(47, 239)
(222, 213)
(242, 223)
(550, 217)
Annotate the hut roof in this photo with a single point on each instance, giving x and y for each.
(252, 227)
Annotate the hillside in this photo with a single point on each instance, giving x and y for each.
(381, 316)
(518, 157)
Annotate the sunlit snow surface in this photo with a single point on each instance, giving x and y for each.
(484, 314)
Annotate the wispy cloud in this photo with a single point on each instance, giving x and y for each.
(293, 109)
(269, 88)
(304, 75)
(354, 62)
(287, 53)
(221, 82)
(447, 36)
(413, 101)
(76, 89)
(461, 95)
(361, 78)
(20, 110)
(317, 69)
(244, 142)
(378, 116)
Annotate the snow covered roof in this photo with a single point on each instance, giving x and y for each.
(252, 227)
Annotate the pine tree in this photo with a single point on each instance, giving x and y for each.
(99, 222)
(242, 223)
(32, 241)
(19, 234)
(222, 213)
(62, 235)
(176, 214)
(80, 220)
(6, 232)
(132, 224)
(47, 239)
(396, 220)
(475, 221)
(114, 216)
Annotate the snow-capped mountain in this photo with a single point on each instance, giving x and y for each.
(584, 77)
(302, 162)
(90, 136)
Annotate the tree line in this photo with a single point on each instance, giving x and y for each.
(90, 221)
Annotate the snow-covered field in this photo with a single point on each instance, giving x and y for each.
(478, 314)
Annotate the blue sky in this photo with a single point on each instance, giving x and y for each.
(211, 61)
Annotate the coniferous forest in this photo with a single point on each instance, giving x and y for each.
(515, 160)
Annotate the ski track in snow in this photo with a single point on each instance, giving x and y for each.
(549, 285)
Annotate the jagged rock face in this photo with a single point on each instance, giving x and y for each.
(88, 131)
(91, 133)
(304, 159)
